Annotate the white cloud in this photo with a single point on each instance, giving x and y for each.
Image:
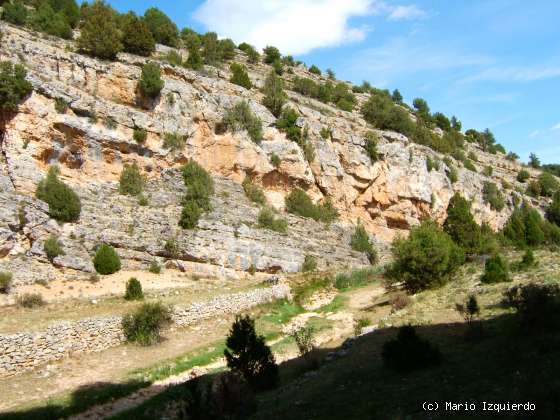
(402, 57)
(556, 127)
(406, 13)
(535, 133)
(514, 74)
(293, 26)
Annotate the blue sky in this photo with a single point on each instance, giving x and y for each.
(493, 63)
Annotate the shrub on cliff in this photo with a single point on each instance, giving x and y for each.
(247, 353)
(106, 260)
(526, 227)
(271, 54)
(380, 111)
(409, 352)
(496, 270)
(370, 146)
(241, 117)
(268, 220)
(493, 196)
(137, 37)
(239, 75)
(309, 264)
(64, 204)
(13, 86)
(253, 192)
(275, 97)
(553, 210)
(145, 324)
(359, 241)
(15, 12)
(150, 83)
(52, 247)
(5, 281)
(131, 181)
(315, 70)
(523, 175)
(200, 187)
(548, 184)
(298, 202)
(426, 259)
(133, 290)
(99, 33)
(162, 27)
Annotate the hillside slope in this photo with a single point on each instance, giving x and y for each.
(93, 138)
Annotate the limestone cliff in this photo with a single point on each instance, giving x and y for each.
(93, 139)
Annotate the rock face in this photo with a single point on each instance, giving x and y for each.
(93, 139)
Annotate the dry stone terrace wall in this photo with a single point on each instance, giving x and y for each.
(26, 351)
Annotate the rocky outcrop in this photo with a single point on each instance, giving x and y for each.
(93, 139)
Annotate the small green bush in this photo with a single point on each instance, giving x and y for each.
(453, 175)
(355, 278)
(275, 160)
(106, 260)
(431, 164)
(469, 165)
(133, 290)
(140, 135)
(200, 187)
(247, 353)
(60, 105)
(173, 141)
(527, 261)
(145, 324)
(5, 281)
(239, 76)
(493, 196)
(268, 220)
(150, 83)
(275, 97)
(537, 305)
(470, 309)
(380, 111)
(13, 86)
(14, 12)
(315, 70)
(360, 242)
(409, 352)
(426, 259)
(64, 204)
(488, 171)
(553, 210)
(523, 175)
(298, 202)
(253, 192)
(271, 54)
(173, 58)
(548, 184)
(52, 248)
(172, 249)
(309, 264)
(131, 181)
(370, 146)
(241, 117)
(31, 300)
(496, 270)
(154, 268)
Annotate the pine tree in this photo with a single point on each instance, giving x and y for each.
(137, 38)
(275, 97)
(100, 35)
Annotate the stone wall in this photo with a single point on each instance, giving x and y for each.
(26, 351)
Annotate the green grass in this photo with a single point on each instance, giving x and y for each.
(357, 278)
(199, 357)
(336, 305)
(282, 311)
